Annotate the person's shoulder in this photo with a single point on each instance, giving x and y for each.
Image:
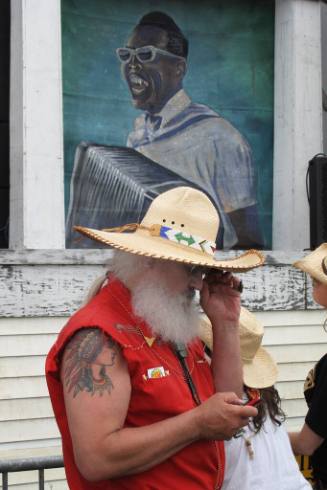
(321, 366)
(216, 125)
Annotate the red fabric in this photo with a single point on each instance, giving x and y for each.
(199, 465)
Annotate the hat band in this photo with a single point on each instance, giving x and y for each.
(171, 234)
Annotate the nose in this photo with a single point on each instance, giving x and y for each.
(133, 62)
(196, 280)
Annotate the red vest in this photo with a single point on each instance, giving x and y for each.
(157, 394)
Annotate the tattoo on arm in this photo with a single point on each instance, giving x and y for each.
(86, 360)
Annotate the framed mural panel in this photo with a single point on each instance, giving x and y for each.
(166, 93)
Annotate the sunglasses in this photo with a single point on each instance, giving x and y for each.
(145, 54)
(196, 270)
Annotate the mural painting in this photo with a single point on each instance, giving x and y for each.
(166, 133)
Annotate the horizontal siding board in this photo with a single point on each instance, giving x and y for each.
(23, 388)
(31, 326)
(48, 485)
(28, 430)
(294, 424)
(295, 408)
(26, 447)
(294, 371)
(25, 345)
(25, 409)
(103, 256)
(18, 366)
(288, 335)
(58, 290)
(29, 479)
(291, 318)
(296, 353)
(290, 389)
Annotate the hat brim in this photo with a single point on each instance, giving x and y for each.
(312, 263)
(261, 371)
(141, 243)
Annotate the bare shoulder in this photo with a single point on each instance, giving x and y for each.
(89, 362)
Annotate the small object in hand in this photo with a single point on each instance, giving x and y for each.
(254, 397)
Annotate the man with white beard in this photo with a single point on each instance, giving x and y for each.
(136, 402)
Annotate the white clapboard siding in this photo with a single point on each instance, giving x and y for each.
(297, 341)
(55, 479)
(17, 409)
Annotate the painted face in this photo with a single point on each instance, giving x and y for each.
(151, 83)
(320, 293)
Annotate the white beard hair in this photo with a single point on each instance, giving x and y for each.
(174, 317)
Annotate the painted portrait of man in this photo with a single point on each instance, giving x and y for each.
(186, 139)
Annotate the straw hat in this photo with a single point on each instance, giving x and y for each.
(259, 368)
(315, 263)
(181, 225)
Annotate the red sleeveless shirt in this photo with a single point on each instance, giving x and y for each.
(159, 391)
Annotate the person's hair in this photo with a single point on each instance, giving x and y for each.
(177, 42)
(123, 266)
(269, 405)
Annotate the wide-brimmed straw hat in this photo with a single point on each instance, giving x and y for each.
(180, 225)
(315, 263)
(259, 368)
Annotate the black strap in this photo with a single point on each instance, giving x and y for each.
(181, 354)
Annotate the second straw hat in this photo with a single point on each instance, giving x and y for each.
(315, 263)
(259, 368)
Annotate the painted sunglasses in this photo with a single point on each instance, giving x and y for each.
(145, 54)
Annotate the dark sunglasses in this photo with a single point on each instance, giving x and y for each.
(196, 270)
(145, 54)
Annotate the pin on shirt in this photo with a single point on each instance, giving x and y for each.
(155, 373)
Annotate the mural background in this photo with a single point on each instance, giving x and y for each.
(230, 68)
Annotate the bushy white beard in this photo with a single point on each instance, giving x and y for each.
(172, 316)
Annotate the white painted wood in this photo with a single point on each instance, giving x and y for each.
(298, 117)
(16, 366)
(290, 318)
(282, 353)
(290, 390)
(58, 290)
(25, 446)
(294, 424)
(36, 128)
(103, 256)
(295, 408)
(48, 485)
(33, 387)
(27, 430)
(29, 479)
(25, 409)
(30, 326)
(25, 345)
(294, 371)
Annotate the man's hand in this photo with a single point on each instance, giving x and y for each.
(222, 415)
(220, 298)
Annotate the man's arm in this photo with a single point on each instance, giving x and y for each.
(305, 442)
(221, 303)
(97, 390)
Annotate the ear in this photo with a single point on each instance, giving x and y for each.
(181, 68)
